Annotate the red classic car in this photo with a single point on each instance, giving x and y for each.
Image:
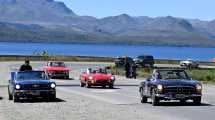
(56, 70)
(97, 77)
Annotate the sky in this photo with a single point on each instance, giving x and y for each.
(193, 9)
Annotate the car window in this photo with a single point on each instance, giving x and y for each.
(171, 75)
(32, 76)
(57, 64)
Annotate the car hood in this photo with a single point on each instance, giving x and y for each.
(24, 82)
(99, 76)
(182, 82)
(57, 68)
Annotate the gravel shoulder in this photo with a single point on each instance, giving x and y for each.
(68, 107)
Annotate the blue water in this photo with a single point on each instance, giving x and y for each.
(161, 52)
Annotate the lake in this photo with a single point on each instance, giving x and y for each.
(160, 52)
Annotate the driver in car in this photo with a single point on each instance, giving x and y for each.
(26, 66)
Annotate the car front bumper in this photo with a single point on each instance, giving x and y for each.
(177, 96)
(100, 82)
(58, 75)
(34, 93)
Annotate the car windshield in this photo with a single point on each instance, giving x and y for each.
(103, 71)
(57, 64)
(172, 75)
(32, 75)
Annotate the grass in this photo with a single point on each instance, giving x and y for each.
(205, 76)
(167, 62)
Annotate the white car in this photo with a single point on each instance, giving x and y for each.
(189, 63)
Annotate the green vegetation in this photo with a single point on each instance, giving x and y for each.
(206, 76)
(158, 61)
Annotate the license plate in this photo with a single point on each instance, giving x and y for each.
(35, 93)
(180, 96)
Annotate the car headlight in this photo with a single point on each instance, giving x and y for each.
(53, 85)
(160, 87)
(18, 86)
(91, 78)
(112, 78)
(199, 87)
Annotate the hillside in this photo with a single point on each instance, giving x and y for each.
(51, 21)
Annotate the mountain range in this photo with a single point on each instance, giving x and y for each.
(52, 21)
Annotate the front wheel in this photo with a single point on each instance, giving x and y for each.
(10, 97)
(111, 86)
(197, 101)
(87, 85)
(15, 99)
(82, 84)
(155, 100)
(143, 98)
(52, 97)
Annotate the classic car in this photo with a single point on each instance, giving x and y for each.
(56, 70)
(97, 77)
(144, 60)
(168, 85)
(189, 63)
(30, 84)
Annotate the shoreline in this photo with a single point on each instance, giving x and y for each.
(4, 58)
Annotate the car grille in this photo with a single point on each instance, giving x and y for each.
(60, 72)
(35, 87)
(180, 90)
(102, 81)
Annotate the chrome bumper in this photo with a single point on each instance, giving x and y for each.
(177, 96)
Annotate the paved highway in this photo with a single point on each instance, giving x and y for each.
(97, 103)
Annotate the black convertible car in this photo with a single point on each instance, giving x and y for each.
(170, 85)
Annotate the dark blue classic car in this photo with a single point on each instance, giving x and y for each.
(30, 84)
(170, 85)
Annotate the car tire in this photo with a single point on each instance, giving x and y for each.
(111, 86)
(155, 100)
(82, 84)
(143, 98)
(197, 101)
(52, 97)
(87, 85)
(15, 99)
(10, 97)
